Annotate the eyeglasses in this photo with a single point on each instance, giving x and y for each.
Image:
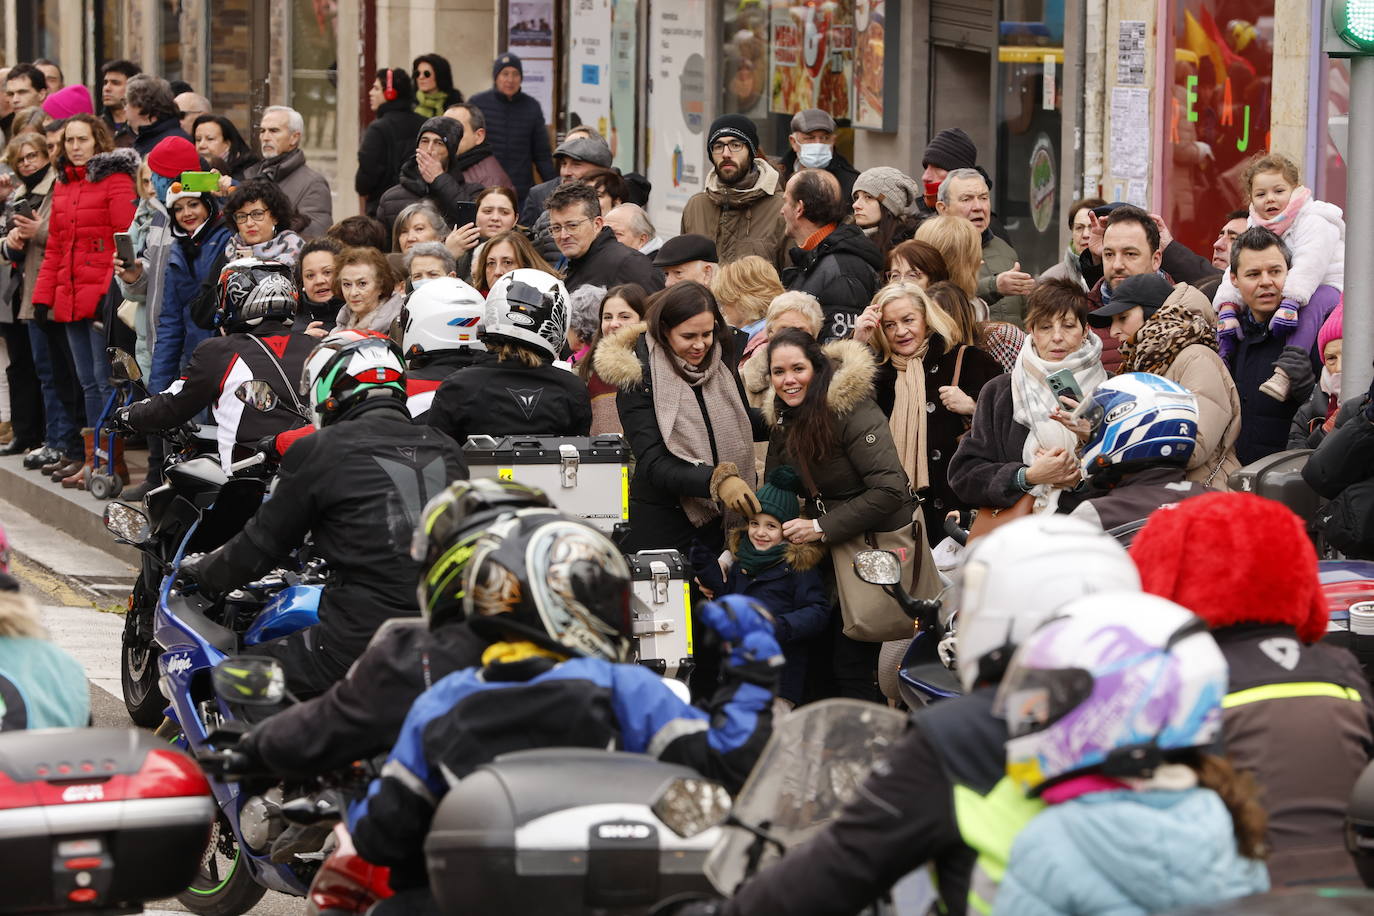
(424, 73)
(567, 228)
(893, 276)
(255, 216)
(721, 146)
(32, 155)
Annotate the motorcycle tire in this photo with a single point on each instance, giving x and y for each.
(224, 886)
(138, 673)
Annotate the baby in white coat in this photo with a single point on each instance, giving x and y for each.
(1314, 232)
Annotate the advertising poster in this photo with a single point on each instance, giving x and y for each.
(813, 56)
(870, 19)
(589, 64)
(676, 109)
(624, 81)
(530, 24)
(538, 83)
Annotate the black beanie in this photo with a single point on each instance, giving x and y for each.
(450, 130)
(737, 126)
(507, 60)
(951, 149)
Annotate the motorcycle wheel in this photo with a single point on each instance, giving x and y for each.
(138, 672)
(224, 886)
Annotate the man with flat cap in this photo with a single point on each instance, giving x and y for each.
(1169, 329)
(741, 208)
(812, 142)
(687, 257)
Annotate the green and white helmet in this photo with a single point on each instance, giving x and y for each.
(349, 367)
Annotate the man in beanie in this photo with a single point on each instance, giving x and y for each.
(516, 127)
(1167, 330)
(1298, 715)
(433, 173)
(950, 149)
(582, 150)
(812, 146)
(741, 207)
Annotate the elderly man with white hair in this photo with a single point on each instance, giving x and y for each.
(280, 133)
(632, 228)
(1002, 284)
(191, 105)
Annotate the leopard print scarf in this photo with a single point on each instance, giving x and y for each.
(1163, 336)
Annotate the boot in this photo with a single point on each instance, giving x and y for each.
(121, 470)
(59, 461)
(6, 432)
(77, 479)
(1277, 386)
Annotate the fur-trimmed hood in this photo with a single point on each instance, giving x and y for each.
(798, 557)
(615, 359)
(103, 165)
(851, 384)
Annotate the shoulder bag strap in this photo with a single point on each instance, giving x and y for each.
(810, 483)
(958, 366)
(290, 389)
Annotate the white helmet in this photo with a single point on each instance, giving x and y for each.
(528, 307)
(444, 314)
(1023, 574)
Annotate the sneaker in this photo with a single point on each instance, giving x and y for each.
(35, 459)
(1278, 386)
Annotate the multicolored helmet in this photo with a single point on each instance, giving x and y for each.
(444, 314)
(252, 291)
(349, 367)
(528, 307)
(1139, 420)
(1117, 687)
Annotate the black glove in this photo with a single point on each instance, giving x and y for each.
(1297, 365)
(189, 572)
(267, 447)
(119, 420)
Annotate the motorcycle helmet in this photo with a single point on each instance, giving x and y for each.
(1023, 574)
(527, 307)
(450, 525)
(1359, 825)
(252, 291)
(1139, 420)
(444, 314)
(542, 576)
(1119, 685)
(347, 368)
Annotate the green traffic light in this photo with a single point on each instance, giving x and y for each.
(1354, 22)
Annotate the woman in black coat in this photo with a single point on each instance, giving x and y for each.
(434, 89)
(388, 141)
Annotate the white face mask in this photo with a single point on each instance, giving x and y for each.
(815, 155)
(1330, 382)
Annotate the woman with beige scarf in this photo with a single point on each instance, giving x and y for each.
(929, 377)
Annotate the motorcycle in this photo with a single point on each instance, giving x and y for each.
(923, 677)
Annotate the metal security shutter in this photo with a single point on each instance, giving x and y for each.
(964, 23)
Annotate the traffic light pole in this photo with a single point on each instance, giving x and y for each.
(1357, 347)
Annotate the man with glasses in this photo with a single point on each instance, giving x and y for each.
(741, 207)
(591, 254)
(283, 162)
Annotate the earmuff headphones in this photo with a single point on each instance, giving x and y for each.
(389, 93)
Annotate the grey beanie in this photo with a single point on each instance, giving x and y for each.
(897, 191)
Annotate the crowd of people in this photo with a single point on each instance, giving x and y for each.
(817, 358)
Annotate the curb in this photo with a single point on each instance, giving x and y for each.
(41, 499)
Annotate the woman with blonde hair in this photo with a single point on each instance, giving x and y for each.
(960, 245)
(744, 288)
(928, 380)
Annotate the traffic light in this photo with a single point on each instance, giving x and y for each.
(1353, 22)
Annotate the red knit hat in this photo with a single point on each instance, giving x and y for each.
(1233, 558)
(173, 156)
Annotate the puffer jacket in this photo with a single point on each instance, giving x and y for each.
(1127, 854)
(448, 189)
(743, 220)
(518, 136)
(861, 483)
(842, 273)
(89, 205)
(1317, 240)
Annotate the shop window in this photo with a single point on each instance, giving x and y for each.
(1334, 100)
(169, 39)
(314, 93)
(1217, 117)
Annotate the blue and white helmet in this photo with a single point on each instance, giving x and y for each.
(1139, 420)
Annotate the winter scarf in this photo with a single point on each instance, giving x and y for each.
(1032, 401)
(379, 319)
(762, 182)
(1163, 336)
(1284, 221)
(467, 160)
(908, 421)
(284, 247)
(430, 104)
(683, 425)
(754, 561)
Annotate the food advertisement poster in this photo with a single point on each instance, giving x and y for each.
(813, 56)
(876, 80)
(676, 114)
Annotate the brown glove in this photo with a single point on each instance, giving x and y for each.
(728, 488)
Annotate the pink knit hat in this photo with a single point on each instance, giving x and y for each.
(1331, 328)
(66, 102)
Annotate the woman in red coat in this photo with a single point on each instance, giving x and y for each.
(93, 199)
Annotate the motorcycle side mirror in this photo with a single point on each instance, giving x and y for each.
(690, 806)
(878, 567)
(127, 523)
(249, 680)
(257, 394)
(123, 367)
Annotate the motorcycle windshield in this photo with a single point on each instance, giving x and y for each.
(812, 767)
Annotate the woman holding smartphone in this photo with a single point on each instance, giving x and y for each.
(1016, 447)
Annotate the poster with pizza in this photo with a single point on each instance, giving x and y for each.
(870, 20)
(812, 50)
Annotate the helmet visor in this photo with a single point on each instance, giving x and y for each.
(1032, 699)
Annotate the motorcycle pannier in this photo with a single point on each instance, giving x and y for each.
(97, 819)
(662, 609)
(562, 830)
(588, 477)
(1279, 477)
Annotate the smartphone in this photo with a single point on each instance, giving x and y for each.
(124, 248)
(1063, 384)
(199, 182)
(24, 208)
(465, 211)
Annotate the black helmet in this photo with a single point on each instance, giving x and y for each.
(252, 291)
(450, 525)
(1359, 825)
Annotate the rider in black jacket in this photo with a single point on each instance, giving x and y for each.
(357, 486)
(520, 391)
(442, 322)
(257, 302)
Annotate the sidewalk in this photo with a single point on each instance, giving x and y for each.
(74, 512)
